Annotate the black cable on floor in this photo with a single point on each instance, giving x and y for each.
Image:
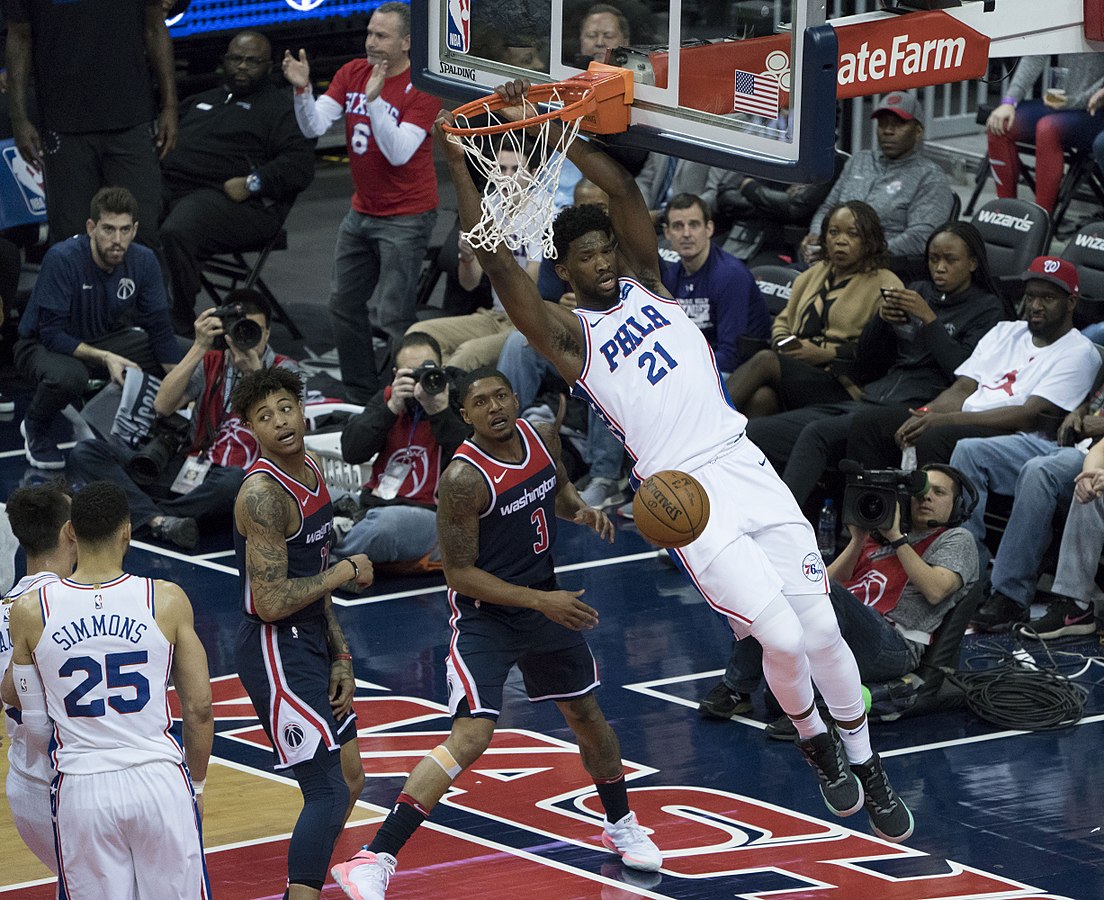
(1018, 690)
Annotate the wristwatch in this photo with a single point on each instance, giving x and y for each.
(900, 542)
(253, 183)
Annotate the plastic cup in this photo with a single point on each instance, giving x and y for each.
(1056, 83)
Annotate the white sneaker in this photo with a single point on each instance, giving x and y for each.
(365, 876)
(602, 493)
(631, 842)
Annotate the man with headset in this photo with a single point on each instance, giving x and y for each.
(890, 591)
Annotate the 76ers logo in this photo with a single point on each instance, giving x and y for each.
(812, 567)
(459, 25)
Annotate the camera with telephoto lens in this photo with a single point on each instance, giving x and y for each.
(242, 332)
(168, 436)
(431, 377)
(872, 496)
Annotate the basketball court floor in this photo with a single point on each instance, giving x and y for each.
(998, 814)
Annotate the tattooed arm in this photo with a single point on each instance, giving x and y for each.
(569, 505)
(461, 494)
(265, 514)
(342, 683)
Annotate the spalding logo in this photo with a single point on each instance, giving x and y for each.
(1050, 266)
(812, 567)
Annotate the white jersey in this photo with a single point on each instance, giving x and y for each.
(28, 761)
(649, 373)
(105, 666)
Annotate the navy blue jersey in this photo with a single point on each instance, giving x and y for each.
(518, 526)
(308, 550)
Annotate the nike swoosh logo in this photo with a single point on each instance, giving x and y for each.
(763, 461)
(499, 477)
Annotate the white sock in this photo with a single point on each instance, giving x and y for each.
(856, 742)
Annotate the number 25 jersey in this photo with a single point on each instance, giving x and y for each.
(649, 373)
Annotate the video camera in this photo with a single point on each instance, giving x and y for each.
(872, 495)
(168, 436)
(431, 377)
(242, 332)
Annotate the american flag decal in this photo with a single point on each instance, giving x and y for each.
(756, 94)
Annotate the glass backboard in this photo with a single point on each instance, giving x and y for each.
(748, 85)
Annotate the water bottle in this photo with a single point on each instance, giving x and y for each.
(826, 531)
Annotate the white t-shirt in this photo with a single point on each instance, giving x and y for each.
(1009, 368)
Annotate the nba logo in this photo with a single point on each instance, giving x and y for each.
(459, 25)
(28, 180)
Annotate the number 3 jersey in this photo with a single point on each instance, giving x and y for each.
(649, 373)
(105, 666)
(518, 526)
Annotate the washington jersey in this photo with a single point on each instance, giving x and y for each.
(105, 665)
(20, 756)
(518, 526)
(308, 550)
(649, 373)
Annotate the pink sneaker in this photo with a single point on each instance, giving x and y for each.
(365, 876)
(631, 842)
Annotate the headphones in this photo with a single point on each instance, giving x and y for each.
(966, 497)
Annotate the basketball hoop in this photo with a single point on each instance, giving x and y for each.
(518, 206)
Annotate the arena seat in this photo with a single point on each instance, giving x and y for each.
(1015, 232)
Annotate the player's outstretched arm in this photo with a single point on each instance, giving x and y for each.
(553, 331)
(190, 674)
(262, 513)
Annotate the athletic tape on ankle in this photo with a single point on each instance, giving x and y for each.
(443, 758)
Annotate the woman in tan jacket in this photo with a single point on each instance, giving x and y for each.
(813, 338)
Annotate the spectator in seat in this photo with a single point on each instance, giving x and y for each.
(813, 338)
(91, 70)
(890, 591)
(1018, 372)
(909, 192)
(1054, 124)
(97, 308)
(240, 161)
(1041, 475)
(382, 239)
(412, 434)
(905, 354)
(1071, 611)
(222, 447)
(604, 28)
(472, 341)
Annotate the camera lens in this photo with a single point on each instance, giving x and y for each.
(433, 381)
(871, 507)
(246, 334)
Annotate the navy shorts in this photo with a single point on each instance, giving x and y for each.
(555, 662)
(286, 671)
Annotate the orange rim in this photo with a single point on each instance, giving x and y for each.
(538, 93)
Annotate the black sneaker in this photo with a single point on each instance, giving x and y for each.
(999, 614)
(39, 447)
(839, 787)
(1064, 618)
(722, 703)
(7, 403)
(890, 819)
(175, 530)
(781, 729)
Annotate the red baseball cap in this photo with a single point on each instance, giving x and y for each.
(1055, 270)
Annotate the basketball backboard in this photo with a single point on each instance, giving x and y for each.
(748, 85)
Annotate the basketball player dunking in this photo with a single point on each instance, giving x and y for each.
(94, 652)
(292, 656)
(496, 524)
(644, 366)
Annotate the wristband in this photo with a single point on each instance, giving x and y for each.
(343, 657)
(1009, 100)
(300, 91)
(900, 542)
(198, 786)
(356, 568)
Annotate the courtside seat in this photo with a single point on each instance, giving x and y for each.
(1086, 251)
(1015, 232)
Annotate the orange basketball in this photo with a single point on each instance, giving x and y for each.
(671, 508)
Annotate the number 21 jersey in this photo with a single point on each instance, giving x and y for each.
(649, 373)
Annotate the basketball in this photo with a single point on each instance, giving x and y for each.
(671, 508)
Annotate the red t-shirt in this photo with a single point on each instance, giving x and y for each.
(382, 189)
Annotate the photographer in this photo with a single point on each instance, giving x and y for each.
(195, 474)
(890, 591)
(412, 427)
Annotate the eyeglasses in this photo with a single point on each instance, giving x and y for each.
(235, 59)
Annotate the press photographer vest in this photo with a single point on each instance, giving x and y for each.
(879, 578)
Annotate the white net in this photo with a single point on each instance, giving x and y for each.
(518, 204)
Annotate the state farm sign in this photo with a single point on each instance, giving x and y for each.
(907, 52)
